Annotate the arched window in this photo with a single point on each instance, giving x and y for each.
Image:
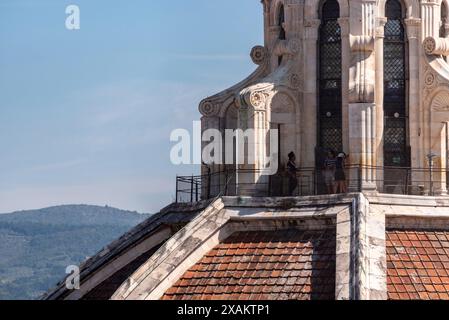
(281, 21)
(330, 78)
(396, 152)
(443, 19)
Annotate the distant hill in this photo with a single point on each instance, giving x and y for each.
(36, 246)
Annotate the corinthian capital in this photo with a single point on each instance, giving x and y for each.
(413, 27)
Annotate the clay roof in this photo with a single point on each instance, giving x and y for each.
(288, 265)
(418, 265)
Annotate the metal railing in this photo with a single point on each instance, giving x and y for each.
(311, 181)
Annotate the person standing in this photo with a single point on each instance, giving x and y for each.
(329, 172)
(292, 171)
(340, 175)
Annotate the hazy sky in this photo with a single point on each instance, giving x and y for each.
(86, 116)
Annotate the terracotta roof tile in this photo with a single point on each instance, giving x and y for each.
(264, 266)
(417, 265)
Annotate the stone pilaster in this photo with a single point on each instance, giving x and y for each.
(345, 61)
(252, 119)
(440, 187)
(379, 94)
(415, 116)
(344, 276)
(362, 117)
(369, 252)
(437, 184)
(310, 110)
(361, 263)
(430, 15)
(362, 137)
(362, 63)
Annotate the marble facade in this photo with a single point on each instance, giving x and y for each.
(283, 91)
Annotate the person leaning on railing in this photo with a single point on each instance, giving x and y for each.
(340, 175)
(329, 169)
(292, 171)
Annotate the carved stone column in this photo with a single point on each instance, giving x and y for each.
(413, 32)
(431, 16)
(440, 187)
(362, 134)
(210, 120)
(379, 95)
(310, 110)
(252, 179)
(345, 61)
(362, 108)
(439, 118)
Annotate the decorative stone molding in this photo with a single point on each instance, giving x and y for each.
(209, 109)
(430, 79)
(413, 27)
(296, 81)
(362, 75)
(257, 100)
(362, 138)
(286, 77)
(380, 27)
(441, 102)
(255, 97)
(361, 43)
(436, 46)
(259, 54)
(287, 48)
(282, 103)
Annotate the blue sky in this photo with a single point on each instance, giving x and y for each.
(86, 116)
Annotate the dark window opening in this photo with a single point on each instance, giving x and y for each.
(396, 152)
(330, 78)
(282, 33)
(443, 33)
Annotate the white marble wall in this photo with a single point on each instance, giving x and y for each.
(362, 23)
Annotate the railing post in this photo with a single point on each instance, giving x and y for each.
(196, 191)
(191, 190)
(208, 182)
(226, 182)
(431, 180)
(407, 181)
(360, 173)
(177, 188)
